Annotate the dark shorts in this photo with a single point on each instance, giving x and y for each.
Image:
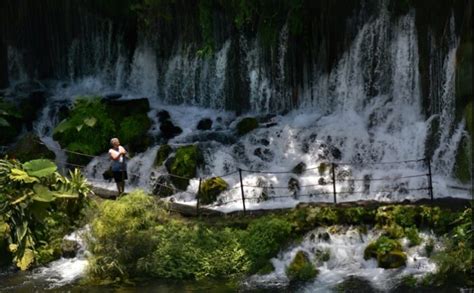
(120, 176)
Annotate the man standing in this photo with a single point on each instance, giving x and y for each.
(119, 166)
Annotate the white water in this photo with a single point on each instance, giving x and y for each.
(346, 258)
(368, 107)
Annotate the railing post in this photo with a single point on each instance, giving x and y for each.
(198, 197)
(430, 181)
(333, 170)
(242, 189)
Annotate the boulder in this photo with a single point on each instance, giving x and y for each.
(69, 248)
(163, 187)
(169, 130)
(299, 168)
(322, 181)
(162, 154)
(301, 268)
(294, 186)
(210, 189)
(392, 260)
(31, 106)
(204, 124)
(264, 154)
(388, 253)
(118, 109)
(30, 147)
(184, 165)
(163, 116)
(246, 125)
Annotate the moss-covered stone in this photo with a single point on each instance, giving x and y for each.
(388, 253)
(266, 269)
(301, 268)
(394, 231)
(184, 165)
(322, 168)
(133, 132)
(246, 125)
(299, 168)
(119, 109)
(162, 154)
(211, 188)
(30, 147)
(163, 187)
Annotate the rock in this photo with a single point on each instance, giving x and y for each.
(324, 236)
(294, 186)
(246, 125)
(222, 137)
(388, 253)
(118, 109)
(31, 106)
(30, 147)
(265, 154)
(108, 174)
(343, 175)
(163, 187)
(335, 152)
(299, 169)
(265, 142)
(204, 124)
(169, 130)
(392, 260)
(301, 268)
(355, 285)
(162, 154)
(184, 165)
(322, 181)
(266, 190)
(112, 96)
(163, 116)
(133, 132)
(322, 168)
(210, 189)
(69, 248)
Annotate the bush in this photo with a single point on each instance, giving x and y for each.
(263, 239)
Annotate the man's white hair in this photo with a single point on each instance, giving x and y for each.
(114, 140)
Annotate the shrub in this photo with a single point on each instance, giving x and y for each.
(301, 268)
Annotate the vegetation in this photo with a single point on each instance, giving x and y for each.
(388, 252)
(185, 164)
(211, 188)
(301, 268)
(38, 206)
(9, 117)
(162, 154)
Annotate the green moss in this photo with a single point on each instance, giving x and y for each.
(462, 167)
(266, 269)
(394, 231)
(322, 168)
(388, 252)
(210, 189)
(301, 268)
(246, 125)
(413, 236)
(133, 131)
(162, 154)
(429, 247)
(185, 164)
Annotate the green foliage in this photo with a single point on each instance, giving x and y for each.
(211, 188)
(394, 231)
(388, 253)
(88, 128)
(185, 164)
(162, 154)
(356, 215)
(413, 236)
(205, 8)
(429, 247)
(263, 239)
(246, 125)
(301, 268)
(37, 207)
(9, 115)
(134, 128)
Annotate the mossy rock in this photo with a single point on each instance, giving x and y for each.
(70, 248)
(246, 125)
(392, 260)
(266, 269)
(322, 168)
(413, 236)
(299, 168)
(30, 147)
(211, 188)
(204, 124)
(184, 164)
(394, 231)
(162, 154)
(163, 187)
(301, 268)
(388, 253)
(133, 132)
(10, 122)
(118, 109)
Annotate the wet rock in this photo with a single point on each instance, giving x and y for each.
(324, 236)
(392, 260)
(210, 189)
(322, 181)
(162, 154)
(204, 124)
(31, 106)
(163, 116)
(266, 190)
(169, 130)
(264, 142)
(184, 165)
(335, 153)
(301, 268)
(222, 137)
(118, 109)
(343, 174)
(112, 96)
(69, 248)
(323, 168)
(294, 186)
(30, 147)
(246, 125)
(108, 174)
(264, 154)
(299, 168)
(163, 186)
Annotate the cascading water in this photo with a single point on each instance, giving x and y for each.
(344, 250)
